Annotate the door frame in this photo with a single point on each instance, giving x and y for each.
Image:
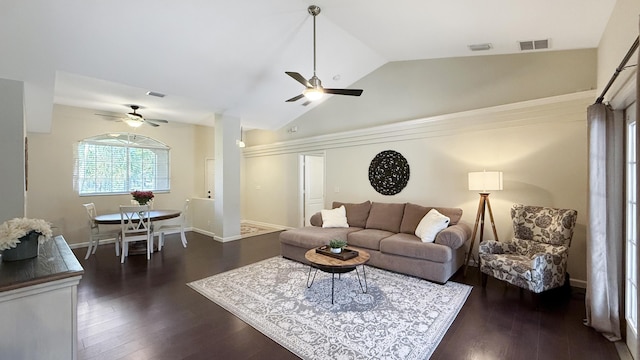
(624, 97)
(301, 182)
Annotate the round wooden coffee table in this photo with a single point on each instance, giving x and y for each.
(336, 266)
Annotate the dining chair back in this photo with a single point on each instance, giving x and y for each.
(95, 233)
(175, 227)
(135, 225)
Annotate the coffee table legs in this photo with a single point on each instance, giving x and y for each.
(333, 275)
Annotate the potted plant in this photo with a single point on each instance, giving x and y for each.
(20, 237)
(142, 197)
(337, 245)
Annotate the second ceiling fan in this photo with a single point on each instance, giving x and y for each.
(135, 119)
(313, 87)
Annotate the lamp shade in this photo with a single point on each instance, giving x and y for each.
(485, 181)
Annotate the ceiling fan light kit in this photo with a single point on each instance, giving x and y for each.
(313, 87)
(133, 123)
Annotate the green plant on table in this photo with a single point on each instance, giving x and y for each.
(337, 243)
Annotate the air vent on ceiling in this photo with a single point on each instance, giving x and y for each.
(480, 47)
(534, 45)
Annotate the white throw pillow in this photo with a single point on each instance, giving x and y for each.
(336, 218)
(430, 225)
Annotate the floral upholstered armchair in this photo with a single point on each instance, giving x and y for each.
(536, 257)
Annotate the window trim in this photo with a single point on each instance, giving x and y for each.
(121, 140)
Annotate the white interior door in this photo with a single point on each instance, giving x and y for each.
(209, 182)
(631, 280)
(313, 185)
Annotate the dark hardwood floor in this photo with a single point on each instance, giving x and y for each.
(143, 310)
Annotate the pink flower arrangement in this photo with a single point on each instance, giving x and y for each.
(142, 197)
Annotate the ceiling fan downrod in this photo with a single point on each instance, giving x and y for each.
(314, 11)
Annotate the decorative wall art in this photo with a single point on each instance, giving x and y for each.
(389, 172)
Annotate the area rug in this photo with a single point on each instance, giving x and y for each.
(400, 317)
(247, 230)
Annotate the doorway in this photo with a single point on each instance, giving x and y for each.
(311, 186)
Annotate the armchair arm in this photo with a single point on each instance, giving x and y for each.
(553, 257)
(454, 236)
(493, 247)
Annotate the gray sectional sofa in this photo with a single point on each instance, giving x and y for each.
(387, 232)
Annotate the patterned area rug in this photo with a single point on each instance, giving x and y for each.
(400, 317)
(247, 230)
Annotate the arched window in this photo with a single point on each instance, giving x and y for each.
(119, 163)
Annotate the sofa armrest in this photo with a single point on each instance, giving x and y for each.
(316, 219)
(454, 236)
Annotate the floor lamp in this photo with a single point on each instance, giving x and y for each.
(483, 181)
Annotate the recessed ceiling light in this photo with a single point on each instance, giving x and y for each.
(156, 94)
(480, 47)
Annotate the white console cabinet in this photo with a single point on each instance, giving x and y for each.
(38, 304)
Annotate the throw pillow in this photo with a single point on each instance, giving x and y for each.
(335, 218)
(430, 225)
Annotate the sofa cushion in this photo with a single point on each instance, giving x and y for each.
(335, 218)
(385, 216)
(357, 214)
(311, 236)
(410, 246)
(430, 225)
(367, 238)
(414, 213)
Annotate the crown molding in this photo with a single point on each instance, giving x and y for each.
(515, 114)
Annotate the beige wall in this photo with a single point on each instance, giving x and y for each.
(539, 145)
(621, 31)
(406, 90)
(12, 130)
(51, 194)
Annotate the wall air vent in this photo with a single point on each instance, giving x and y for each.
(534, 45)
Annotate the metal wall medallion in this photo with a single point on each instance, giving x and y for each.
(389, 172)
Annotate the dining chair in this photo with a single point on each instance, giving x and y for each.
(135, 225)
(95, 234)
(162, 229)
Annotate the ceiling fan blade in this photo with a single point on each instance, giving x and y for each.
(158, 120)
(306, 103)
(299, 78)
(151, 123)
(112, 116)
(351, 92)
(295, 98)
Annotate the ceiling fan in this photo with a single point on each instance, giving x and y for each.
(135, 119)
(313, 87)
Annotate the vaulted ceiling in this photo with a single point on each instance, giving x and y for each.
(227, 58)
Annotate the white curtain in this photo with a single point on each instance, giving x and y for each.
(605, 235)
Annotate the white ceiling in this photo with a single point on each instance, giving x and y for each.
(213, 57)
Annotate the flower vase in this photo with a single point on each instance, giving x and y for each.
(336, 250)
(27, 248)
